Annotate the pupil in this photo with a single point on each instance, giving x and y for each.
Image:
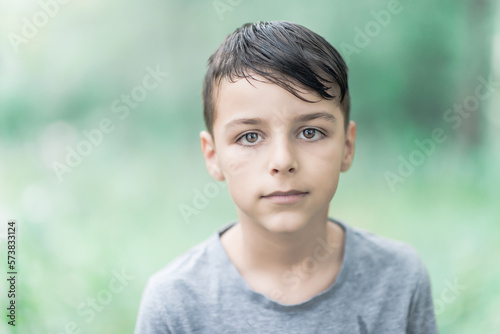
(309, 133)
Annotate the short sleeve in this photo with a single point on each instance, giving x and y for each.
(421, 317)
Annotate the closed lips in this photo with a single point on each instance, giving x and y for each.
(286, 193)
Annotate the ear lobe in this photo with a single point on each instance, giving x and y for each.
(211, 160)
(350, 138)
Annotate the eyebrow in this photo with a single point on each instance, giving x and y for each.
(301, 118)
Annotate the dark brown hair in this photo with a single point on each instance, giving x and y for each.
(286, 54)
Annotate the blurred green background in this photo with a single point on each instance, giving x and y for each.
(65, 68)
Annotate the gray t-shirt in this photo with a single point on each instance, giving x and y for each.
(382, 288)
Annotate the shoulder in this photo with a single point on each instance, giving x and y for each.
(175, 290)
(390, 274)
(185, 273)
(384, 255)
(388, 270)
(182, 282)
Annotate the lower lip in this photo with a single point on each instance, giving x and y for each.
(288, 199)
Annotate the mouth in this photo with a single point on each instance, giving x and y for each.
(286, 197)
(286, 193)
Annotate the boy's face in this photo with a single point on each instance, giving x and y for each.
(268, 140)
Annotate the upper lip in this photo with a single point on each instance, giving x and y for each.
(285, 193)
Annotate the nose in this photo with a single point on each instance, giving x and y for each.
(282, 157)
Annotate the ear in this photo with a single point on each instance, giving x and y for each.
(211, 160)
(350, 137)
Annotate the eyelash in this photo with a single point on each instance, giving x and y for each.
(323, 135)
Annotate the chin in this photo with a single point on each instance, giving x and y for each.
(286, 222)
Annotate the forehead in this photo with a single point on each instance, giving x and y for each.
(256, 97)
(258, 85)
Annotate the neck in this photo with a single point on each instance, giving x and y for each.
(313, 248)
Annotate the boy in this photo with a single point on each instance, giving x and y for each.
(276, 107)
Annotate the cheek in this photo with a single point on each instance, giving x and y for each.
(323, 166)
(239, 169)
(325, 156)
(237, 163)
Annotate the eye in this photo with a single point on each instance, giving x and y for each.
(311, 133)
(250, 138)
